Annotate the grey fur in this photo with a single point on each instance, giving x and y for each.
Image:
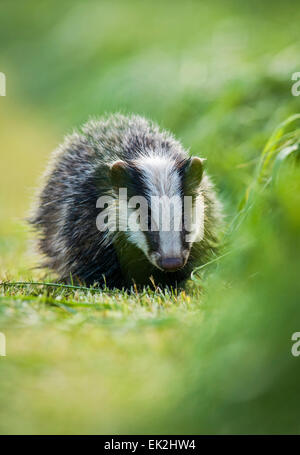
(65, 213)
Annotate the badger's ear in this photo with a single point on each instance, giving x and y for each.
(119, 173)
(194, 171)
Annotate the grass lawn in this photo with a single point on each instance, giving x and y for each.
(216, 356)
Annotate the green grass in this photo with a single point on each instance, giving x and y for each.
(216, 357)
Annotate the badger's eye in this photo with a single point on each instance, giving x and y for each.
(149, 219)
(141, 217)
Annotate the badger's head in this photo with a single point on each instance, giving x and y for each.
(160, 206)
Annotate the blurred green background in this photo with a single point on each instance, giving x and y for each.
(213, 359)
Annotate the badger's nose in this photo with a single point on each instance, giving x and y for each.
(171, 264)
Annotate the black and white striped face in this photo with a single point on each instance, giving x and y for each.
(165, 185)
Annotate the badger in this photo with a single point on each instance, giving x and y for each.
(125, 161)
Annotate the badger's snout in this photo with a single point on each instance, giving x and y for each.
(170, 261)
(171, 264)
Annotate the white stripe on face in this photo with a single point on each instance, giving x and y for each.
(163, 187)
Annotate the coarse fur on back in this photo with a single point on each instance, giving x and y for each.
(105, 155)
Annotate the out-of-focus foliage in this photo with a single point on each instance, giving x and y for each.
(215, 358)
